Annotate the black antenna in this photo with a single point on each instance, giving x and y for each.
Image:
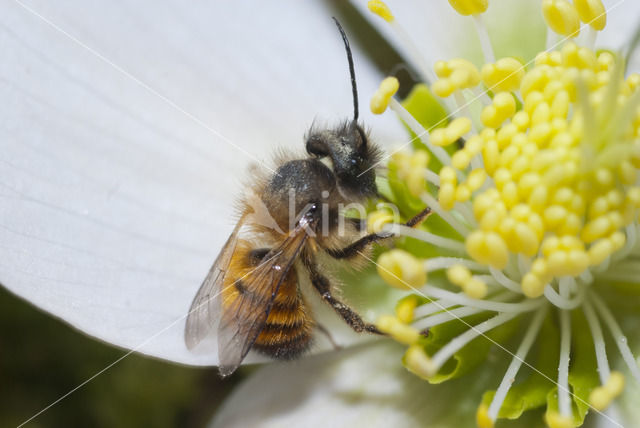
(354, 87)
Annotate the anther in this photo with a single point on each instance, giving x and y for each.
(381, 9)
(561, 16)
(401, 269)
(380, 99)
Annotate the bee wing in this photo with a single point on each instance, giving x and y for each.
(205, 308)
(244, 316)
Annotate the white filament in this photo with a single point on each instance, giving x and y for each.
(432, 177)
(460, 341)
(506, 282)
(438, 263)
(564, 397)
(562, 302)
(399, 229)
(516, 362)
(617, 334)
(485, 42)
(598, 341)
(462, 299)
(456, 313)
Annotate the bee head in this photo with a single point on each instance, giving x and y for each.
(347, 151)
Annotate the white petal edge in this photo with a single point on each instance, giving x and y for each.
(114, 201)
(367, 386)
(364, 386)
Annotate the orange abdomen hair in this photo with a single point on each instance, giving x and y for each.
(287, 332)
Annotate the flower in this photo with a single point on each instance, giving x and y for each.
(113, 218)
(539, 210)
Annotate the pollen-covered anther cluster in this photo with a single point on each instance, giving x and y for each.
(563, 166)
(540, 193)
(401, 269)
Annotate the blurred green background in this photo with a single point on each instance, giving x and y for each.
(41, 359)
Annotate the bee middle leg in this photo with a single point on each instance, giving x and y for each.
(352, 250)
(351, 317)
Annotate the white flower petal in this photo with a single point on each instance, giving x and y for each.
(622, 21)
(365, 386)
(116, 187)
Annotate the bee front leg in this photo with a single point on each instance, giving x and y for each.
(351, 317)
(354, 249)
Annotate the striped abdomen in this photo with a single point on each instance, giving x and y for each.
(287, 332)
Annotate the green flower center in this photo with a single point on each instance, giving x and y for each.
(536, 198)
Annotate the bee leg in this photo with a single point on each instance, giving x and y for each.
(418, 218)
(351, 317)
(355, 248)
(326, 332)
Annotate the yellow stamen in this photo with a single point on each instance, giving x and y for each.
(488, 248)
(458, 274)
(502, 108)
(451, 133)
(412, 169)
(400, 331)
(380, 99)
(469, 7)
(401, 269)
(419, 363)
(602, 396)
(461, 276)
(483, 420)
(562, 17)
(405, 309)
(555, 420)
(381, 9)
(592, 12)
(505, 75)
(454, 75)
(377, 219)
(532, 285)
(476, 289)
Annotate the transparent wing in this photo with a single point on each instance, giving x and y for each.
(244, 316)
(205, 309)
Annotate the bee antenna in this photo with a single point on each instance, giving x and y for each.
(354, 87)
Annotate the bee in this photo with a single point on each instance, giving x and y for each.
(252, 290)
